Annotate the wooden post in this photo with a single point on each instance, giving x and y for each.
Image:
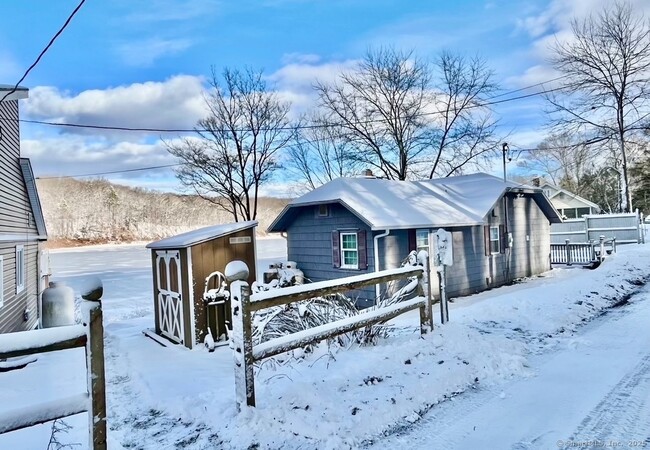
(92, 311)
(568, 251)
(242, 344)
(426, 310)
(444, 307)
(614, 244)
(602, 247)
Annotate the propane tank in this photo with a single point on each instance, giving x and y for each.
(58, 305)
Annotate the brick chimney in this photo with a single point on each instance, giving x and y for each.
(537, 182)
(367, 173)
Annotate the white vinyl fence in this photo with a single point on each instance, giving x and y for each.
(625, 227)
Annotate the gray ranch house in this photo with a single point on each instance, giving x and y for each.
(22, 226)
(500, 230)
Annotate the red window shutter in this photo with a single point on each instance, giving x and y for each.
(411, 239)
(502, 238)
(336, 249)
(363, 250)
(486, 239)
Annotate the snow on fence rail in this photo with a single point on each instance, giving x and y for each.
(592, 252)
(89, 335)
(243, 304)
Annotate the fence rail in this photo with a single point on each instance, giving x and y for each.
(243, 304)
(625, 227)
(89, 335)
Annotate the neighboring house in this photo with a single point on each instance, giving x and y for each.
(568, 204)
(22, 228)
(355, 225)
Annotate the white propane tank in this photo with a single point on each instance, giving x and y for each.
(58, 305)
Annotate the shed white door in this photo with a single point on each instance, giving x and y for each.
(170, 301)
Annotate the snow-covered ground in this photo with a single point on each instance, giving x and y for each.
(498, 355)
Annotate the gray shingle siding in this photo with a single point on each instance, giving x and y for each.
(309, 244)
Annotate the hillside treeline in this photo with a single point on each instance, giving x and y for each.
(99, 211)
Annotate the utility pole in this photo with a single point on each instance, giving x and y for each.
(506, 149)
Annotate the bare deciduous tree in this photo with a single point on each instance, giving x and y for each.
(466, 129)
(606, 82)
(380, 108)
(320, 153)
(238, 143)
(402, 121)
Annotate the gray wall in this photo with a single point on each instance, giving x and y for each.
(17, 227)
(309, 244)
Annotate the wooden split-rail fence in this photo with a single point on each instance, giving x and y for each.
(243, 304)
(90, 335)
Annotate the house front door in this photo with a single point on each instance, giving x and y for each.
(170, 302)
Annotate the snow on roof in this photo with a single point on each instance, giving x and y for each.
(20, 92)
(201, 235)
(569, 193)
(391, 204)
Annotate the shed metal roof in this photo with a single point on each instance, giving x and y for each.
(194, 237)
(391, 204)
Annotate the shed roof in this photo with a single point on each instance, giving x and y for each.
(391, 204)
(194, 237)
(19, 93)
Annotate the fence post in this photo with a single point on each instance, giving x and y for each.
(426, 311)
(568, 252)
(602, 247)
(241, 337)
(614, 245)
(96, 380)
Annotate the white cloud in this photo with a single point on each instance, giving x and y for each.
(173, 103)
(144, 53)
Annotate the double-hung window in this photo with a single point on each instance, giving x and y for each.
(422, 240)
(495, 240)
(20, 269)
(349, 251)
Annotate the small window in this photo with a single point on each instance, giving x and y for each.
(20, 269)
(422, 240)
(323, 211)
(583, 211)
(349, 251)
(570, 213)
(2, 284)
(495, 241)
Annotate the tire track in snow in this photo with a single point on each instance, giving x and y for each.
(624, 413)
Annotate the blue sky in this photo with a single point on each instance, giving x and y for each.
(123, 62)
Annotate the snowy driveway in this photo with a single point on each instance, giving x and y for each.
(594, 392)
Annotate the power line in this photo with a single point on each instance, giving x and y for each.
(47, 47)
(110, 172)
(286, 128)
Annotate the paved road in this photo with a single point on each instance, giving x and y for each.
(592, 392)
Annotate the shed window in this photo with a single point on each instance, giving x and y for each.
(20, 268)
(583, 211)
(2, 284)
(349, 249)
(422, 240)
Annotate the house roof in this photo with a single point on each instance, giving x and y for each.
(32, 194)
(20, 92)
(194, 237)
(570, 194)
(391, 204)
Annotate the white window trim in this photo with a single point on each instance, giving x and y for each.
(422, 247)
(323, 211)
(497, 240)
(2, 282)
(343, 250)
(20, 268)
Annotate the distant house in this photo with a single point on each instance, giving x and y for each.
(568, 204)
(355, 225)
(22, 227)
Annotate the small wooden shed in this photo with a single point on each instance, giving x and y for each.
(180, 266)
